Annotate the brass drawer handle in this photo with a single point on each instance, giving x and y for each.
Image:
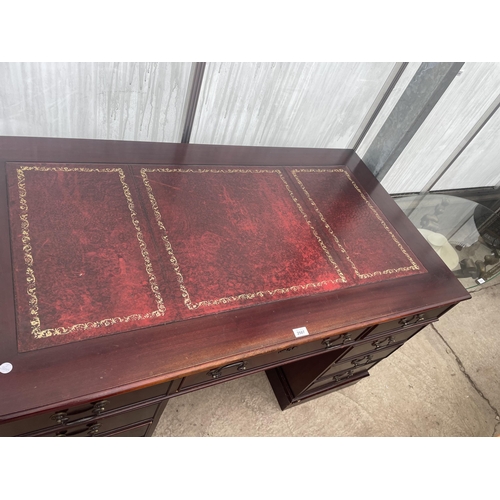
(287, 349)
(411, 320)
(359, 362)
(217, 372)
(346, 337)
(345, 376)
(379, 344)
(99, 407)
(62, 417)
(90, 431)
(93, 429)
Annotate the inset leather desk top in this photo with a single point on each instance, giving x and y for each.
(102, 249)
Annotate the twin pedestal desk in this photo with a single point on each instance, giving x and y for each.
(131, 273)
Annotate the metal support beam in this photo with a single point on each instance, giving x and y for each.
(417, 101)
(193, 94)
(377, 105)
(463, 144)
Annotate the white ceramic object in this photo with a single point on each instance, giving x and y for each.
(441, 246)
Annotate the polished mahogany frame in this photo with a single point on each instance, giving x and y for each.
(74, 373)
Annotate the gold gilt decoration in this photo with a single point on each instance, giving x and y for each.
(36, 328)
(413, 266)
(244, 296)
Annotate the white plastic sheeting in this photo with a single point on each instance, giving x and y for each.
(454, 115)
(286, 104)
(124, 101)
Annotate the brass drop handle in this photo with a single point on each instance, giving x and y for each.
(345, 376)
(99, 407)
(92, 430)
(287, 349)
(411, 320)
(379, 344)
(217, 372)
(329, 343)
(62, 417)
(359, 362)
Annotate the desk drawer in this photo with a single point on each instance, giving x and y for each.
(265, 360)
(105, 425)
(340, 380)
(71, 416)
(134, 430)
(381, 341)
(415, 319)
(363, 361)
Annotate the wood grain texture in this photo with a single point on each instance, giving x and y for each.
(62, 376)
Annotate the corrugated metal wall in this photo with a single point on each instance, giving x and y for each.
(261, 104)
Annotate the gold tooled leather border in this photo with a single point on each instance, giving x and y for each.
(244, 296)
(413, 267)
(36, 329)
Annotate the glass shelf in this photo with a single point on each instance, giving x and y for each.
(465, 234)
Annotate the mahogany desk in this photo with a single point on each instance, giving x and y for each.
(134, 272)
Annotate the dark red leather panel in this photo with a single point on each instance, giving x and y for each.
(369, 248)
(81, 256)
(104, 249)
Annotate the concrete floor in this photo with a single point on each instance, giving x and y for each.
(445, 381)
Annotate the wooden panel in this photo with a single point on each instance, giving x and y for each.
(260, 362)
(382, 341)
(286, 397)
(286, 104)
(137, 430)
(414, 319)
(105, 425)
(71, 416)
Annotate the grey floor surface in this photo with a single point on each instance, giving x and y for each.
(445, 381)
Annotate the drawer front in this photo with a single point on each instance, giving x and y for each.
(361, 362)
(137, 430)
(385, 339)
(415, 319)
(105, 425)
(265, 360)
(336, 381)
(75, 414)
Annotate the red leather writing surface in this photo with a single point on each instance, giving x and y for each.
(99, 250)
(80, 254)
(369, 247)
(234, 236)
